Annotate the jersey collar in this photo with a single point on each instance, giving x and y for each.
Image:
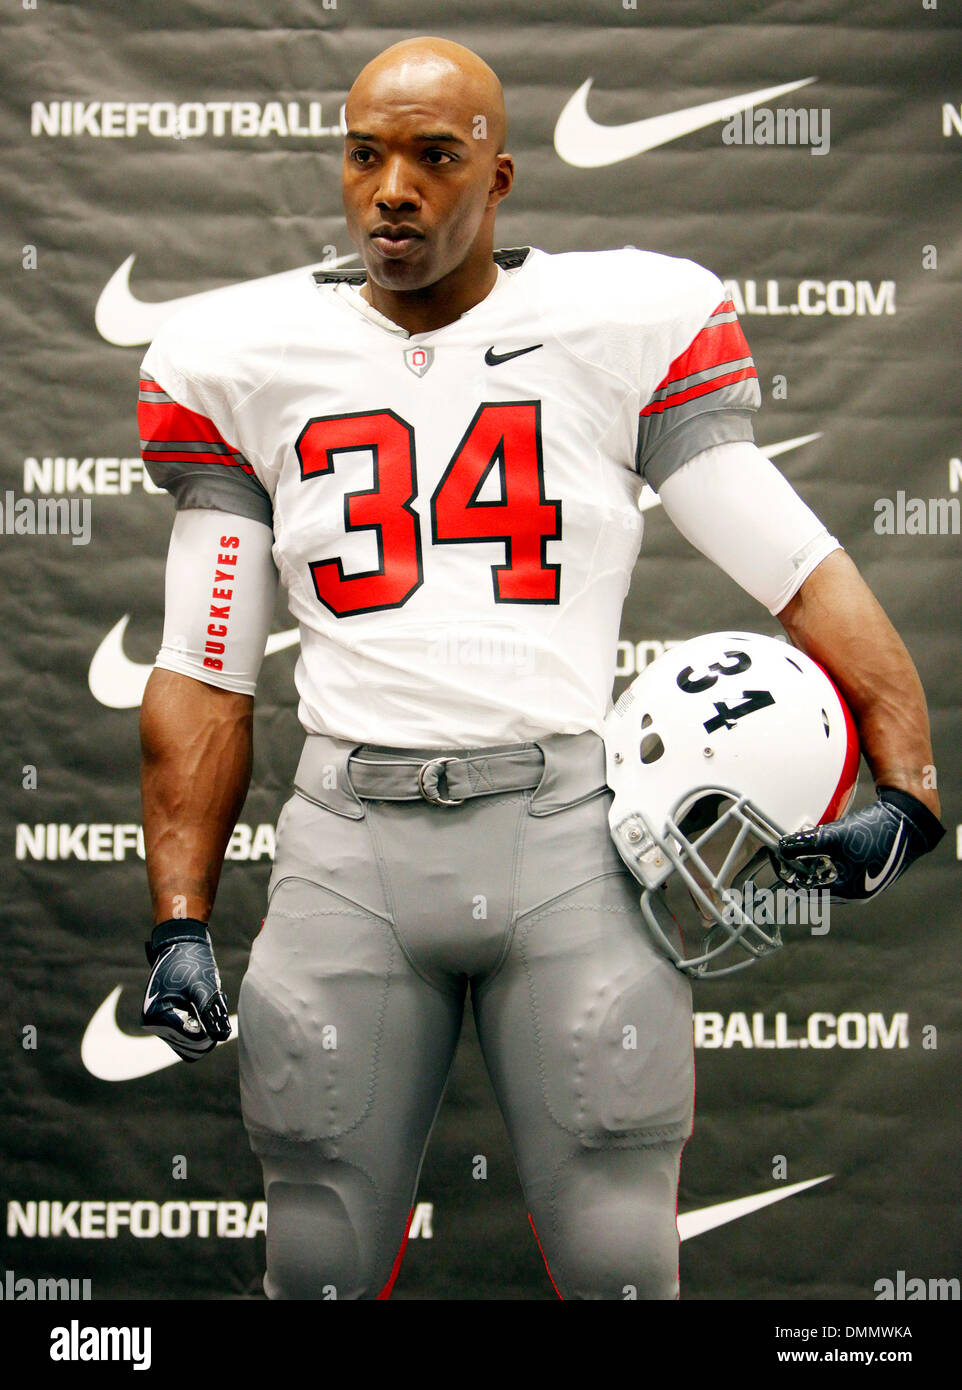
(347, 283)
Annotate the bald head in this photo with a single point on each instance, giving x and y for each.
(426, 68)
(424, 173)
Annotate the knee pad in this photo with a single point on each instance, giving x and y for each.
(330, 1235)
(313, 1248)
(615, 1221)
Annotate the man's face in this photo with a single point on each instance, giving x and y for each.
(415, 181)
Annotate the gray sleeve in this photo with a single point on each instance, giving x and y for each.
(223, 490)
(706, 398)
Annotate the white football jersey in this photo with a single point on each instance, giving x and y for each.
(455, 513)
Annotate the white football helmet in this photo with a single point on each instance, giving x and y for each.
(719, 747)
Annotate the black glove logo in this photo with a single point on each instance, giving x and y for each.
(862, 854)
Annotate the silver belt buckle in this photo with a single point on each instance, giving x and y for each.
(432, 795)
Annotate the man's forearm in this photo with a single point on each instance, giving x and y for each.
(195, 771)
(836, 619)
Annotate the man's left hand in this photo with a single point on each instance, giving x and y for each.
(860, 855)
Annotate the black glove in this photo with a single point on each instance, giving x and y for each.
(183, 1002)
(864, 852)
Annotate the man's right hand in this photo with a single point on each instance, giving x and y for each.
(184, 1003)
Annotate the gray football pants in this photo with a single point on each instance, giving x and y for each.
(380, 913)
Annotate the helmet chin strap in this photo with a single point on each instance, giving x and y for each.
(817, 871)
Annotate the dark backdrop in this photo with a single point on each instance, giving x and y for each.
(846, 268)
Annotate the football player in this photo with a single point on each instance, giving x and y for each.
(441, 455)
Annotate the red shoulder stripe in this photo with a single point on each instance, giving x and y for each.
(713, 347)
(170, 433)
(704, 388)
(716, 345)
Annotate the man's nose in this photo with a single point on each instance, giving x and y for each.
(396, 189)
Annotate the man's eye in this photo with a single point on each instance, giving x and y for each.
(439, 156)
(361, 156)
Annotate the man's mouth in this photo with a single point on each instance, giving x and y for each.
(394, 242)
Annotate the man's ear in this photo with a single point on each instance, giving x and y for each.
(502, 179)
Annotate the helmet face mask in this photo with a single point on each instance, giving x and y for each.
(783, 758)
(710, 870)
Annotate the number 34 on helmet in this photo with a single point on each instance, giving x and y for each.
(717, 749)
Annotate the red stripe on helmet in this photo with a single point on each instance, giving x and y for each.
(842, 795)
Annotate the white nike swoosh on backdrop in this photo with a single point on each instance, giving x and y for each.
(649, 498)
(127, 321)
(110, 1054)
(694, 1223)
(582, 142)
(118, 682)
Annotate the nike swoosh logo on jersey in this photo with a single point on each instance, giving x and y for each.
(872, 883)
(119, 683)
(494, 359)
(127, 321)
(582, 142)
(110, 1054)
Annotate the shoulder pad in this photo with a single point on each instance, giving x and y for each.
(508, 259)
(511, 257)
(354, 276)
